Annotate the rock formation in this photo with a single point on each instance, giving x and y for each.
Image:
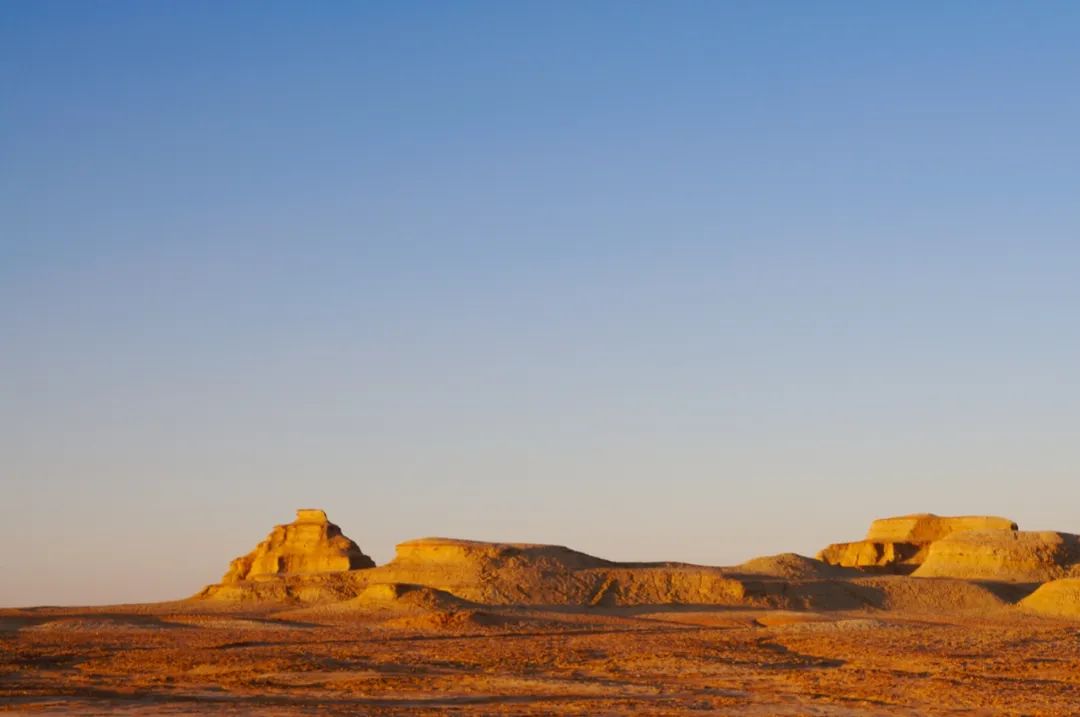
(462, 576)
(867, 554)
(528, 574)
(927, 527)
(309, 565)
(901, 544)
(1011, 556)
(310, 544)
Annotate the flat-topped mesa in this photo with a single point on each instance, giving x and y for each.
(311, 515)
(536, 574)
(444, 551)
(927, 527)
(310, 544)
(901, 544)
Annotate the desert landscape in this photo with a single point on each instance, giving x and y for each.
(616, 358)
(925, 615)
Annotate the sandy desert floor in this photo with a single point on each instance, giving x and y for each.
(182, 659)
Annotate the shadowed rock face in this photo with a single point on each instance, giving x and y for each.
(310, 544)
(902, 544)
(886, 556)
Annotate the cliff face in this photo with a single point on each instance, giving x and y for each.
(310, 564)
(927, 527)
(1024, 556)
(888, 556)
(902, 544)
(310, 544)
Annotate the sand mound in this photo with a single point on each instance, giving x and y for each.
(404, 606)
(404, 595)
(388, 602)
(896, 592)
(791, 566)
(1002, 555)
(310, 544)
(1057, 598)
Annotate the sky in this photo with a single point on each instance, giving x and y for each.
(690, 281)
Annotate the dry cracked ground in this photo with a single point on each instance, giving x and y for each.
(187, 658)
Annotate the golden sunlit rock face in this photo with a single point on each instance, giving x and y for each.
(295, 565)
(1002, 555)
(902, 544)
(310, 544)
(927, 527)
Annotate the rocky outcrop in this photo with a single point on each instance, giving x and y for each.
(875, 555)
(528, 574)
(518, 574)
(310, 564)
(1009, 556)
(902, 544)
(310, 544)
(927, 527)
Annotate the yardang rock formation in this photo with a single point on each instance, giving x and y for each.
(310, 544)
(310, 565)
(1013, 556)
(902, 544)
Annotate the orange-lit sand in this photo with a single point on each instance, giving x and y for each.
(178, 660)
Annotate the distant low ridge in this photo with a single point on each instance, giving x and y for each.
(310, 565)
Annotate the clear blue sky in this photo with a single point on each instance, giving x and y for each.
(688, 281)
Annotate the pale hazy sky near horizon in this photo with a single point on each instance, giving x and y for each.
(691, 281)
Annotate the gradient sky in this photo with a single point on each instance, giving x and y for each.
(686, 281)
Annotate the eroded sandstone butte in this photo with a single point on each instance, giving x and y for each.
(310, 544)
(1009, 556)
(901, 544)
(927, 527)
(516, 575)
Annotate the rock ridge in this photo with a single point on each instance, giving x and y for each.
(901, 544)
